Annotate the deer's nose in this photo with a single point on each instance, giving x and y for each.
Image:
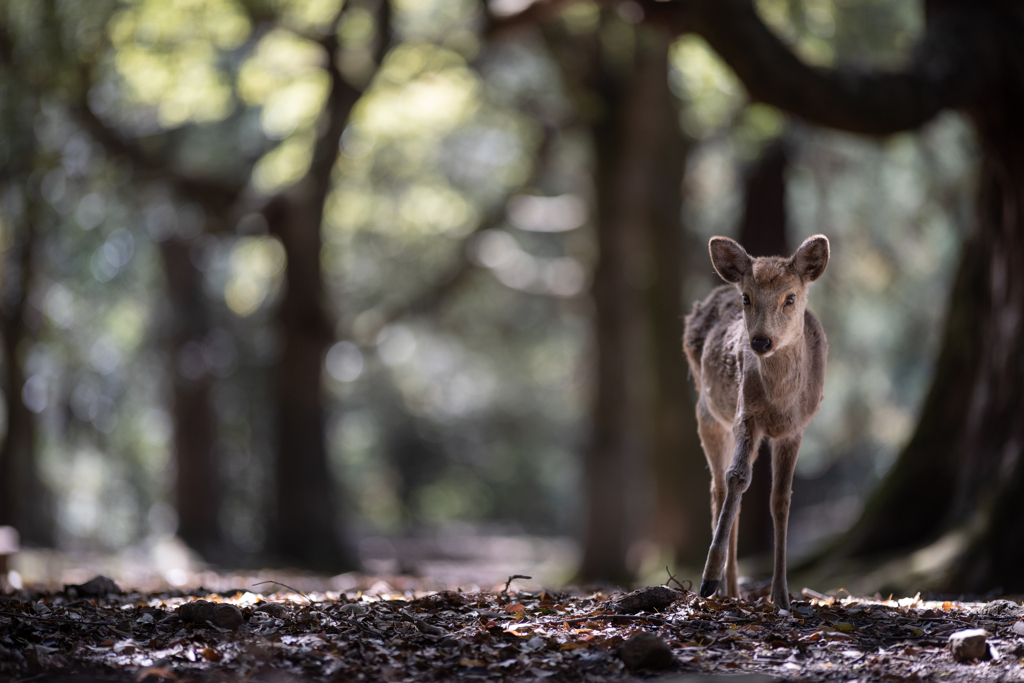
(761, 344)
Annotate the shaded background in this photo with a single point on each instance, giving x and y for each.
(367, 285)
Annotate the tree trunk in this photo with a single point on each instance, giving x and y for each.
(198, 489)
(963, 466)
(644, 431)
(308, 524)
(307, 530)
(763, 233)
(991, 473)
(612, 458)
(24, 502)
(681, 517)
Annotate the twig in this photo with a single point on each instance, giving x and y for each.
(511, 579)
(672, 578)
(289, 588)
(809, 593)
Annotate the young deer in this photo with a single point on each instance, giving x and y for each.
(758, 358)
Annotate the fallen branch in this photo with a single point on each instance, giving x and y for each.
(511, 579)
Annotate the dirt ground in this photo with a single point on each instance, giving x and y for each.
(395, 630)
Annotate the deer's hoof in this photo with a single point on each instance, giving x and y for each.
(708, 587)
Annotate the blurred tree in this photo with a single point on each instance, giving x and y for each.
(306, 514)
(643, 437)
(24, 503)
(966, 453)
(198, 489)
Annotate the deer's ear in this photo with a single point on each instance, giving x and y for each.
(811, 258)
(729, 259)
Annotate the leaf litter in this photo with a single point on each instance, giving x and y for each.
(507, 635)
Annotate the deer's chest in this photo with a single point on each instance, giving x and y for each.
(777, 407)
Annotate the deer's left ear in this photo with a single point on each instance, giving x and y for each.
(811, 258)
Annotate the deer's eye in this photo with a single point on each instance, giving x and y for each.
(790, 300)
(746, 300)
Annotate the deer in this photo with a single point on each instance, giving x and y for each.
(757, 356)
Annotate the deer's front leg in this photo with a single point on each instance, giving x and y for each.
(783, 464)
(737, 479)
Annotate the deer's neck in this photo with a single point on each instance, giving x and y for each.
(782, 372)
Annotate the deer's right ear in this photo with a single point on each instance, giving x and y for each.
(729, 259)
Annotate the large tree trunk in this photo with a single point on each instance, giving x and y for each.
(963, 467)
(197, 486)
(991, 474)
(763, 233)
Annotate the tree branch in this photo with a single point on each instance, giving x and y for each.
(947, 71)
(870, 101)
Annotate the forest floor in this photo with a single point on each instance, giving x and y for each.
(98, 631)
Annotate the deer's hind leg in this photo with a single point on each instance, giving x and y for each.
(718, 444)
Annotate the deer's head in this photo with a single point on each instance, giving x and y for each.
(774, 289)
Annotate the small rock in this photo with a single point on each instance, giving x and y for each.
(650, 599)
(219, 614)
(645, 651)
(1018, 628)
(96, 587)
(442, 600)
(969, 645)
(274, 609)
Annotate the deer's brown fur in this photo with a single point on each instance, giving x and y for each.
(758, 359)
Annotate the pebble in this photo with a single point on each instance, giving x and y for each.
(274, 609)
(220, 615)
(969, 645)
(645, 651)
